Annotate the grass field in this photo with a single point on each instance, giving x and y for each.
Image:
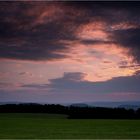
(15, 126)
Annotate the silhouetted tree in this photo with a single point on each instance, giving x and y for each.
(72, 112)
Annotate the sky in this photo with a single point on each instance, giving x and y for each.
(66, 52)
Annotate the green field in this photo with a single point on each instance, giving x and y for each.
(37, 126)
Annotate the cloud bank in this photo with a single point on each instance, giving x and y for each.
(75, 83)
(42, 30)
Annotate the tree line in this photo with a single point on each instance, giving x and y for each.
(73, 112)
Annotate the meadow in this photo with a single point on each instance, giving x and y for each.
(54, 126)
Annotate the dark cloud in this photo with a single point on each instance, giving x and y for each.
(34, 30)
(129, 38)
(94, 42)
(22, 73)
(129, 66)
(5, 85)
(137, 72)
(72, 87)
(27, 35)
(26, 73)
(117, 13)
(107, 62)
(77, 76)
(36, 86)
(110, 12)
(75, 83)
(115, 85)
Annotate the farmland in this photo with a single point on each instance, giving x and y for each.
(31, 126)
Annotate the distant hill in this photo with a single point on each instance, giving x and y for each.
(135, 107)
(126, 104)
(115, 104)
(4, 103)
(79, 105)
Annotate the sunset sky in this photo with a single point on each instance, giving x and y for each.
(63, 52)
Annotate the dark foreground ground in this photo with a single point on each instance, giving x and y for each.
(23, 125)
